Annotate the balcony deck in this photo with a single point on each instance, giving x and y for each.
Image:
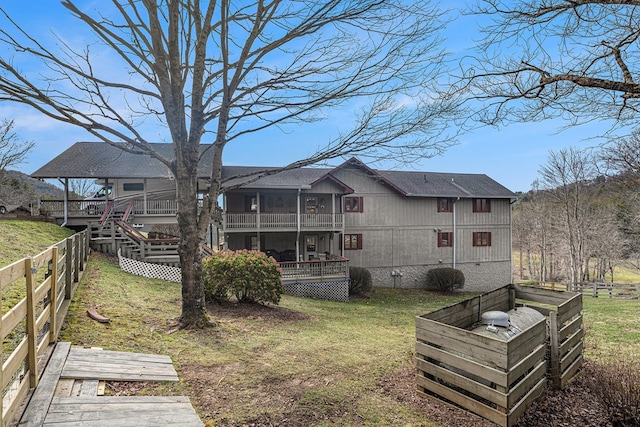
(249, 221)
(93, 209)
(80, 211)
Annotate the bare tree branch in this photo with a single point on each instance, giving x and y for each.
(12, 150)
(574, 59)
(193, 71)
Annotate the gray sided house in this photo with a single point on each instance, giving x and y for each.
(397, 224)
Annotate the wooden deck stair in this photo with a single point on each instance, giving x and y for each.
(68, 392)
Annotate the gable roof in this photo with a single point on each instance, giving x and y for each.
(438, 184)
(101, 160)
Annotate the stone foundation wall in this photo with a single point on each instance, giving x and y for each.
(479, 277)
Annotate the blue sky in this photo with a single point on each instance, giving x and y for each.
(511, 155)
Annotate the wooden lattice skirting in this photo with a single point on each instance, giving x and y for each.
(334, 291)
(150, 270)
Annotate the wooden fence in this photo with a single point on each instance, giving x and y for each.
(494, 378)
(610, 290)
(38, 291)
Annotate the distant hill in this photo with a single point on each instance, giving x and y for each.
(41, 188)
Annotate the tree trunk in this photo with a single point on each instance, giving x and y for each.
(193, 301)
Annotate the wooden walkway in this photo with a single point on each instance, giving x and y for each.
(70, 391)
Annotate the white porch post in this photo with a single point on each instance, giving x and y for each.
(144, 197)
(258, 220)
(225, 244)
(298, 219)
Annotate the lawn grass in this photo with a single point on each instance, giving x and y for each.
(333, 353)
(20, 239)
(612, 327)
(317, 363)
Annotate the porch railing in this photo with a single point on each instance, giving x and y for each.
(249, 220)
(95, 208)
(335, 268)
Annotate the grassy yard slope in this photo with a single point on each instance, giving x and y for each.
(303, 363)
(20, 239)
(310, 361)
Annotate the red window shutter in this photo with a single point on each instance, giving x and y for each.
(489, 239)
(361, 204)
(360, 240)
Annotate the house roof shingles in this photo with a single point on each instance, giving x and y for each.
(101, 160)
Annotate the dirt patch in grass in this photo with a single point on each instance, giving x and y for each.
(402, 386)
(219, 395)
(277, 314)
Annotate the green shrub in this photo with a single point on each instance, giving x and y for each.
(250, 276)
(444, 279)
(360, 283)
(215, 290)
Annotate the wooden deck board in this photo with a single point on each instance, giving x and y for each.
(69, 391)
(88, 353)
(36, 411)
(118, 366)
(122, 411)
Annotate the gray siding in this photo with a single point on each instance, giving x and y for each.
(479, 277)
(400, 235)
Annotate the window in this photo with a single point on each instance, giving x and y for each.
(445, 239)
(445, 205)
(352, 241)
(481, 205)
(310, 205)
(482, 238)
(353, 204)
(133, 186)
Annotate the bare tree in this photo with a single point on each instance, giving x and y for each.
(572, 59)
(12, 150)
(567, 175)
(533, 225)
(221, 70)
(83, 187)
(605, 242)
(622, 157)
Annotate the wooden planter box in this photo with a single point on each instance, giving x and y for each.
(495, 378)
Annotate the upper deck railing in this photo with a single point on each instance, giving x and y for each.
(254, 221)
(95, 208)
(337, 267)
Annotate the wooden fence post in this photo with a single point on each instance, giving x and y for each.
(68, 277)
(81, 251)
(512, 298)
(32, 359)
(53, 301)
(554, 350)
(76, 259)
